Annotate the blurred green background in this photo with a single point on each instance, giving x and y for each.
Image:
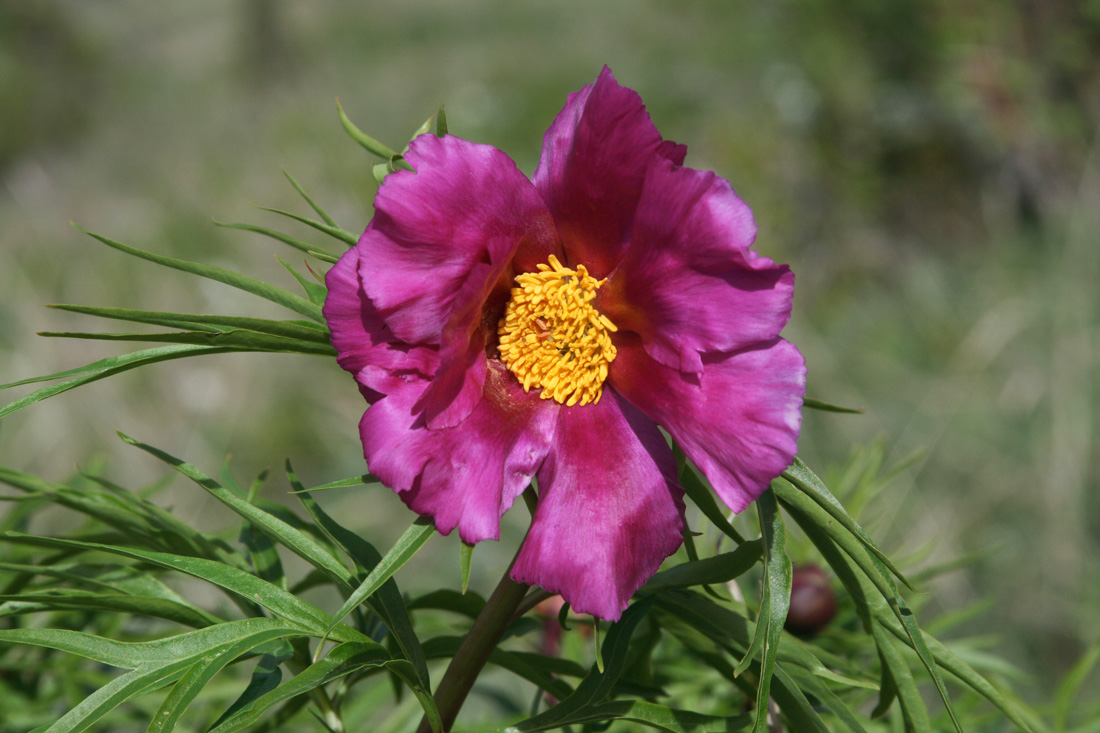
(929, 169)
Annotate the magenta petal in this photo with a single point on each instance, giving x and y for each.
(360, 338)
(466, 476)
(738, 421)
(689, 283)
(594, 159)
(610, 509)
(440, 242)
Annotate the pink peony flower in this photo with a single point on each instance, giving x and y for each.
(503, 328)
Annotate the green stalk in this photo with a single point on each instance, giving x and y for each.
(475, 649)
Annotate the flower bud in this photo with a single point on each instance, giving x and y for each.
(813, 604)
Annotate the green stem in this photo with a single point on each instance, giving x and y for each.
(475, 649)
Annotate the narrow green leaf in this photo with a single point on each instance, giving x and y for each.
(826, 407)
(102, 369)
(242, 583)
(344, 659)
(114, 693)
(344, 236)
(963, 672)
(535, 668)
(652, 715)
(801, 477)
(698, 492)
(191, 685)
(312, 250)
(596, 643)
(466, 561)
(424, 128)
(364, 480)
(403, 550)
(73, 599)
(913, 707)
(814, 687)
(297, 330)
(441, 122)
(859, 570)
(387, 602)
(312, 204)
(149, 654)
(467, 604)
(298, 542)
(368, 142)
(596, 685)
(315, 291)
(718, 569)
(227, 340)
(775, 601)
(236, 280)
(1071, 684)
(266, 676)
(263, 553)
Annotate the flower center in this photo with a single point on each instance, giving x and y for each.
(553, 338)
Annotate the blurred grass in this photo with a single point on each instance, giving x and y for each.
(930, 169)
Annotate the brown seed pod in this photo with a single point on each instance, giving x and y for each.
(813, 603)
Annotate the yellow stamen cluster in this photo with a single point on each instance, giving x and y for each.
(552, 336)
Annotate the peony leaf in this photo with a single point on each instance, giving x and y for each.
(75, 599)
(317, 252)
(295, 330)
(227, 340)
(239, 582)
(151, 654)
(343, 660)
(191, 685)
(774, 603)
(387, 602)
(596, 686)
(241, 282)
(228, 640)
(701, 495)
(826, 407)
(652, 715)
(333, 231)
(315, 291)
(1071, 684)
(913, 708)
(441, 122)
(297, 541)
(102, 369)
(368, 142)
(535, 668)
(364, 480)
(801, 477)
(465, 560)
(312, 204)
(402, 551)
(467, 604)
(817, 689)
(718, 569)
(266, 676)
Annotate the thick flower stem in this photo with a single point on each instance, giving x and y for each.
(475, 649)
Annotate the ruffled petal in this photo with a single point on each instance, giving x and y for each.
(610, 509)
(594, 159)
(440, 245)
(466, 476)
(738, 421)
(689, 282)
(360, 337)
